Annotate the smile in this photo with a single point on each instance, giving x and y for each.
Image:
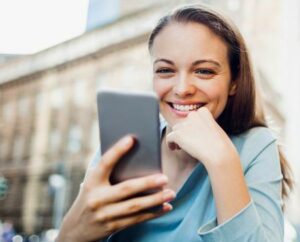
(186, 107)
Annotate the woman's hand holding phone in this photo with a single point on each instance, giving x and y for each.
(102, 209)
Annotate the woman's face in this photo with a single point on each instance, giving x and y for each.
(190, 70)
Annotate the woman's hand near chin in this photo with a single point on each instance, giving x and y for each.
(101, 209)
(201, 137)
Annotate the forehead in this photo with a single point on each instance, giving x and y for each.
(188, 40)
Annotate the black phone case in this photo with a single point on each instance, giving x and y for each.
(122, 113)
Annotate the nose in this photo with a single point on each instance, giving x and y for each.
(184, 86)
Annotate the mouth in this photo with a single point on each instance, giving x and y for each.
(185, 107)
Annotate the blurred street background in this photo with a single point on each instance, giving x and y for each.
(48, 117)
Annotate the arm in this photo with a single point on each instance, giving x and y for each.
(262, 218)
(229, 186)
(248, 207)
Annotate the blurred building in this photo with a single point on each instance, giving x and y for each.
(7, 57)
(48, 118)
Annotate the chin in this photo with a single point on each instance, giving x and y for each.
(171, 121)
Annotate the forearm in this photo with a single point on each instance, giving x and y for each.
(229, 186)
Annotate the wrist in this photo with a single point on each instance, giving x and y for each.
(217, 163)
(226, 156)
(66, 233)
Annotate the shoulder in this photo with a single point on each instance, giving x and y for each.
(255, 137)
(253, 142)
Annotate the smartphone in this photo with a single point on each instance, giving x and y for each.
(136, 113)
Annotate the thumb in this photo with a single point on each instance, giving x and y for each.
(110, 158)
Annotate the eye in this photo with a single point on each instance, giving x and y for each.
(164, 70)
(207, 72)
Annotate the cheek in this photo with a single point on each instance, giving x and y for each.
(217, 92)
(160, 88)
(217, 96)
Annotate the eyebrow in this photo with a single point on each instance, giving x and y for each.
(206, 60)
(164, 60)
(197, 62)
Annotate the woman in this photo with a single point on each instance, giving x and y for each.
(218, 157)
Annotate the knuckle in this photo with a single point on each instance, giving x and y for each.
(157, 198)
(91, 203)
(150, 182)
(118, 149)
(102, 217)
(139, 219)
(134, 207)
(144, 217)
(126, 188)
(111, 227)
(161, 198)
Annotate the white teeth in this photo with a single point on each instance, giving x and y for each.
(186, 107)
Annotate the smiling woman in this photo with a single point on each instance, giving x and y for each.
(218, 156)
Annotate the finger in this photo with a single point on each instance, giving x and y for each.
(173, 146)
(134, 205)
(111, 157)
(119, 224)
(172, 140)
(126, 189)
(122, 222)
(134, 186)
(172, 137)
(178, 126)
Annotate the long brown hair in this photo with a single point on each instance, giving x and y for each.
(243, 104)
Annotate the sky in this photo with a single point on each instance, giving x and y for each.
(28, 26)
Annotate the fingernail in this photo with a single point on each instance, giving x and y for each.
(161, 179)
(171, 146)
(167, 207)
(169, 195)
(127, 140)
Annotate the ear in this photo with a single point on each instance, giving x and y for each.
(232, 89)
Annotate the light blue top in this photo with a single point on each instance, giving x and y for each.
(193, 218)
